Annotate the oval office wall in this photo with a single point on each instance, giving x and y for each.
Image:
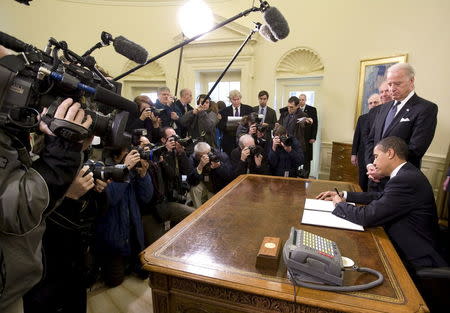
(341, 33)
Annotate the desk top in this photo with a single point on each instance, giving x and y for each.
(218, 244)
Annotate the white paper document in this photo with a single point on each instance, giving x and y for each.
(319, 205)
(323, 218)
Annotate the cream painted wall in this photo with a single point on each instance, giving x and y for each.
(341, 32)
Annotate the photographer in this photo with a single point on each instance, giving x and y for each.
(28, 193)
(251, 125)
(286, 155)
(211, 172)
(201, 121)
(67, 245)
(119, 233)
(170, 208)
(146, 119)
(249, 158)
(170, 114)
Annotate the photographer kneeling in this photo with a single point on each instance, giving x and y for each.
(211, 172)
(286, 156)
(248, 158)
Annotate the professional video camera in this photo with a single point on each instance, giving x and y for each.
(118, 173)
(287, 141)
(34, 79)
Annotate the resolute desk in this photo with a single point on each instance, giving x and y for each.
(207, 262)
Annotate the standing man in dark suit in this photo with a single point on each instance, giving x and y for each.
(359, 141)
(235, 109)
(406, 208)
(408, 116)
(183, 105)
(269, 116)
(310, 133)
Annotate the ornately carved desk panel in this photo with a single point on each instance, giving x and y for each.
(207, 262)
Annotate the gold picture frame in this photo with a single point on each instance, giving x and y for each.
(371, 74)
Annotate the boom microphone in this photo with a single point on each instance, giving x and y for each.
(13, 43)
(267, 33)
(276, 22)
(130, 50)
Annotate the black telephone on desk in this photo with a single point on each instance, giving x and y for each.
(315, 262)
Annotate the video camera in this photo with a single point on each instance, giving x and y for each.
(117, 173)
(34, 79)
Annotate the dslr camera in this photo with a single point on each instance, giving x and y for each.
(255, 151)
(156, 112)
(34, 79)
(287, 141)
(117, 173)
(213, 157)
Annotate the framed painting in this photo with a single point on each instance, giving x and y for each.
(371, 74)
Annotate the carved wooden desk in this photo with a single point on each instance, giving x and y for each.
(207, 262)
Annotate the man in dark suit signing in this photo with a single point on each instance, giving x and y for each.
(236, 109)
(408, 116)
(269, 117)
(405, 208)
(310, 133)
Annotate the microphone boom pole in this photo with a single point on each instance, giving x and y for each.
(182, 44)
(253, 31)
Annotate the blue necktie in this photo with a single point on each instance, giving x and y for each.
(236, 112)
(390, 116)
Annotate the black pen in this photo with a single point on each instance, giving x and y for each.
(338, 192)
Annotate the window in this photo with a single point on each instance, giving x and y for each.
(310, 96)
(222, 91)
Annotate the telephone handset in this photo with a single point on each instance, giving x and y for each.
(312, 260)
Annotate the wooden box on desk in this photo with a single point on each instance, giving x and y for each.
(269, 253)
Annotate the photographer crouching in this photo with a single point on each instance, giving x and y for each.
(170, 208)
(286, 156)
(28, 192)
(249, 158)
(211, 172)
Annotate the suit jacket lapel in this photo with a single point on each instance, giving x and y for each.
(408, 105)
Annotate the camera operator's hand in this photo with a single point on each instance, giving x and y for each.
(81, 184)
(145, 114)
(142, 171)
(276, 142)
(100, 185)
(204, 159)
(244, 154)
(179, 147)
(132, 159)
(215, 165)
(4, 51)
(174, 116)
(252, 129)
(69, 111)
(258, 160)
(170, 144)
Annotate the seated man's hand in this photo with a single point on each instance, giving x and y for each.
(373, 174)
(81, 184)
(327, 195)
(69, 111)
(337, 199)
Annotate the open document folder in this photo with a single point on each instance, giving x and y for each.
(318, 212)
